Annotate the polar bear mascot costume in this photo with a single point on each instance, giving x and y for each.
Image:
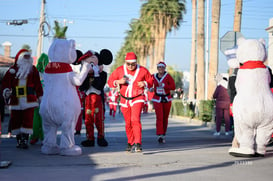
(252, 106)
(60, 106)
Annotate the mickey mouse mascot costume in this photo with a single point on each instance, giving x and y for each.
(94, 101)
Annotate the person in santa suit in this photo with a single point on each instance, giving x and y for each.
(131, 79)
(94, 101)
(163, 84)
(22, 90)
(145, 105)
(113, 101)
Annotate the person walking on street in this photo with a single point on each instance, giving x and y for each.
(162, 99)
(222, 106)
(113, 102)
(22, 90)
(131, 79)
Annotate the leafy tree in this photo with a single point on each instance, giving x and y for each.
(177, 76)
(147, 35)
(25, 46)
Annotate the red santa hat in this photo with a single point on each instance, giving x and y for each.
(88, 54)
(21, 52)
(131, 57)
(161, 64)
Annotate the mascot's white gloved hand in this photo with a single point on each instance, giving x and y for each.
(96, 70)
(7, 93)
(86, 65)
(231, 57)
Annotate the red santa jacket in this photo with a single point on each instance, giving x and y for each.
(113, 97)
(130, 92)
(163, 92)
(24, 91)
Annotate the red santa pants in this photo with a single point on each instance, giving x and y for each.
(79, 121)
(94, 115)
(113, 107)
(145, 107)
(133, 128)
(22, 121)
(162, 111)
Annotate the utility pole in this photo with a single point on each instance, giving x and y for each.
(41, 29)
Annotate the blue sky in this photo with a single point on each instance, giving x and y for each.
(99, 24)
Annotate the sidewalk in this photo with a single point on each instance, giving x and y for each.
(190, 153)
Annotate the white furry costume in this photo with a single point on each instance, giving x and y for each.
(60, 106)
(253, 103)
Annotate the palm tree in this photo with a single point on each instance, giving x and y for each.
(192, 85)
(237, 21)
(166, 15)
(148, 34)
(141, 40)
(238, 15)
(200, 79)
(214, 46)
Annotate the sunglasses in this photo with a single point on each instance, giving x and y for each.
(26, 56)
(131, 64)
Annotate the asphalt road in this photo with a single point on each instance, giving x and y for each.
(191, 152)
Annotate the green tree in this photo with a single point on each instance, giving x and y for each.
(25, 46)
(147, 35)
(177, 76)
(163, 16)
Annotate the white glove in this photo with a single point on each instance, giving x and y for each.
(231, 57)
(96, 70)
(7, 93)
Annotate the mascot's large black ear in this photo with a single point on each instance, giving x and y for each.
(79, 54)
(106, 57)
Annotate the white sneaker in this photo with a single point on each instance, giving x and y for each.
(226, 133)
(216, 134)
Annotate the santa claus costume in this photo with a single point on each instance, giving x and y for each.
(163, 84)
(131, 79)
(22, 89)
(146, 102)
(113, 96)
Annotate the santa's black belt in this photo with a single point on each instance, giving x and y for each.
(130, 98)
(162, 95)
(22, 91)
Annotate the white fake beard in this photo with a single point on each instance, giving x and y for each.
(25, 67)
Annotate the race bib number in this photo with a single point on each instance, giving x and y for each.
(159, 90)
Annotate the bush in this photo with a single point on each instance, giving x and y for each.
(206, 108)
(177, 108)
(180, 108)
